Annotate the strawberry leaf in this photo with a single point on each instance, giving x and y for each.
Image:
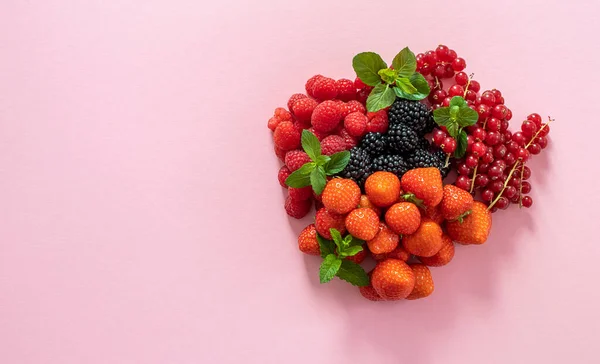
(311, 145)
(318, 179)
(367, 65)
(337, 162)
(326, 246)
(329, 268)
(353, 273)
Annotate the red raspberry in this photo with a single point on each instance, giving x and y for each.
(363, 95)
(297, 208)
(324, 89)
(304, 193)
(351, 141)
(345, 89)
(273, 122)
(311, 83)
(359, 84)
(325, 220)
(293, 99)
(378, 123)
(282, 114)
(280, 153)
(286, 136)
(318, 134)
(326, 116)
(303, 109)
(284, 173)
(338, 129)
(356, 124)
(294, 159)
(333, 144)
(355, 106)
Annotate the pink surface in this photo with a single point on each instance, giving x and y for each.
(141, 220)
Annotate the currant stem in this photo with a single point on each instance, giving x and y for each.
(468, 84)
(473, 180)
(505, 184)
(521, 187)
(447, 160)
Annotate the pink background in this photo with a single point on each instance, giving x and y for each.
(141, 220)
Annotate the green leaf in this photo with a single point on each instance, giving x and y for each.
(461, 145)
(351, 250)
(322, 160)
(367, 65)
(347, 240)
(458, 101)
(337, 238)
(353, 273)
(329, 268)
(318, 180)
(381, 97)
(405, 63)
(326, 246)
(405, 85)
(311, 145)
(299, 178)
(454, 112)
(388, 75)
(356, 241)
(419, 83)
(337, 162)
(467, 117)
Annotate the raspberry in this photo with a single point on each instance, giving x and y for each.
(273, 122)
(355, 106)
(282, 114)
(359, 84)
(362, 223)
(284, 173)
(345, 89)
(356, 124)
(324, 89)
(318, 134)
(307, 241)
(326, 116)
(294, 159)
(332, 144)
(286, 136)
(363, 95)
(378, 123)
(297, 208)
(300, 194)
(325, 220)
(280, 153)
(310, 84)
(341, 195)
(293, 99)
(303, 109)
(349, 139)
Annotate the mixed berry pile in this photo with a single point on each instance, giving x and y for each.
(400, 164)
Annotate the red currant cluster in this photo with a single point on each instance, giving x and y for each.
(495, 159)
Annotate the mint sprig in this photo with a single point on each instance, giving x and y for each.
(315, 172)
(334, 263)
(456, 117)
(401, 80)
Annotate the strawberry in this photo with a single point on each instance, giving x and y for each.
(443, 257)
(434, 213)
(426, 241)
(307, 241)
(398, 253)
(384, 242)
(369, 292)
(475, 227)
(455, 202)
(393, 279)
(362, 223)
(325, 220)
(383, 188)
(423, 282)
(425, 184)
(365, 202)
(403, 218)
(341, 195)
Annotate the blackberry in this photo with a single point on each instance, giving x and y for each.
(420, 158)
(374, 143)
(390, 163)
(359, 166)
(414, 114)
(441, 156)
(401, 138)
(423, 144)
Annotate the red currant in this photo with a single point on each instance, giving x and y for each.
(446, 101)
(463, 169)
(439, 70)
(437, 96)
(544, 130)
(507, 135)
(487, 195)
(526, 173)
(528, 128)
(463, 182)
(449, 71)
(495, 172)
(456, 90)
(525, 187)
(478, 133)
(487, 158)
(459, 64)
(502, 203)
(508, 115)
(438, 137)
(536, 118)
(523, 154)
(488, 98)
(509, 192)
(499, 111)
(483, 111)
(493, 138)
(504, 125)
(482, 180)
(474, 86)
(515, 182)
(542, 142)
(510, 158)
(492, 124)
(496, 186)
(512, 146)
(483, 168)
(534, 149)
(470, 95)
(500, 151)
(449, 145)
(527, 202)
(496, 93)
(519, 138)
(451, 55)
(420, 60)
(471, 161)
(442, 52)
(426, 69)
(431, 57)
(461, 78)
(479, 149)
(500, 100)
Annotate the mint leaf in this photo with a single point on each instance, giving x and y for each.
(442, 117)
(318, 180)
(454, 112)
(467, 117)
(347, 240)
(337, 238)
(458, 101)
(405, 63)
(353, 274)
(326, 246)
(337, 162)
(405, 85)
(380, 97)
(367, 65)
(388, 75)
(299, 178)
(330, 266)
(311, 144)
(461, 145)
(418, 82)
(351, 250)
(356, 241)
(322, 160)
